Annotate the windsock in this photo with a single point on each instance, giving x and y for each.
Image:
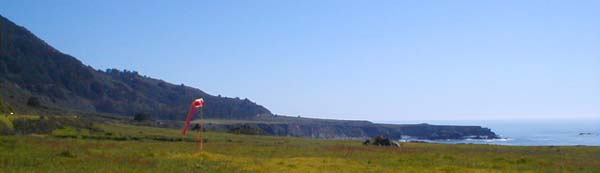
(198, 103)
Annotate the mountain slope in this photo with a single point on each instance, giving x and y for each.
(36, 78)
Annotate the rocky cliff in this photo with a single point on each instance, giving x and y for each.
(343, 129)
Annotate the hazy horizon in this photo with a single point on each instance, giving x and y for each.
(378, 61)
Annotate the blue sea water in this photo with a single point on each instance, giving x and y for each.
(563, 132)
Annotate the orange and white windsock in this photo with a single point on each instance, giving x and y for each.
(198, 103)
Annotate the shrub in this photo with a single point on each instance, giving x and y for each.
(5, 108)
(141, 117)
(65, 132)
(66, 153)
(34, 102)
(6, 126)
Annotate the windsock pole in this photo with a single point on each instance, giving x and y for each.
(198, 103)
(200, 142)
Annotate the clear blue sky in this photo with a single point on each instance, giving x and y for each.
(375, 60)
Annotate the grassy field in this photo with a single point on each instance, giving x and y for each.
(73, 152)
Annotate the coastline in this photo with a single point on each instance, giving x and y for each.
(531, 132)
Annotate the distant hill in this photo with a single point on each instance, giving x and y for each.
(37, 78)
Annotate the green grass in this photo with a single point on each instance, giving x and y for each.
(225, 121)
(6, 121)
(243, 153)
(30, 117)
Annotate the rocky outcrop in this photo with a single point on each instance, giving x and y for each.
(382, 141)
(354, 130)
(435, 132)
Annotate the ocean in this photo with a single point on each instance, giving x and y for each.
(563, 132)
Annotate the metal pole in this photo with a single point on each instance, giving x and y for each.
(200, 142)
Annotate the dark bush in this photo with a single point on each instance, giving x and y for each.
(246, 129)
(381, 141)
(141, 117)
(34, 102)
(66, 153)
(5, 129)
(5, 108)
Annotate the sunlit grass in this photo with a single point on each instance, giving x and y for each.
(225, 152)
(5, 120)
(29, 117)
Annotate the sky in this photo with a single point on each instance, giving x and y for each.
(346, 59)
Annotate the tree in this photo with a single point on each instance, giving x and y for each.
(141, 117)
(5, 108)
(34, 102)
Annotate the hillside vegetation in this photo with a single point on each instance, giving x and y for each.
(5, 108)
(36, 78)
